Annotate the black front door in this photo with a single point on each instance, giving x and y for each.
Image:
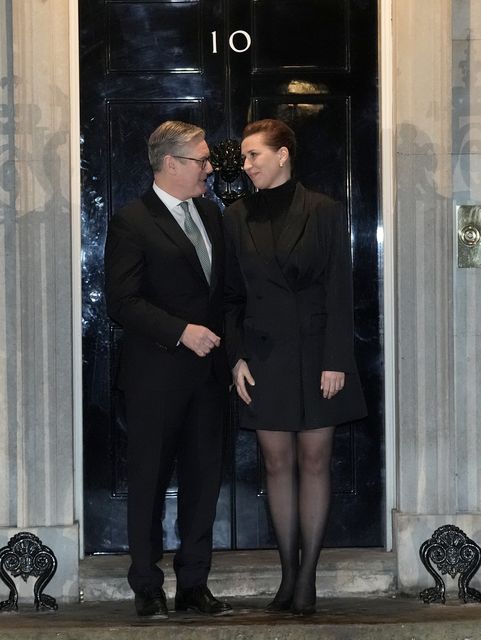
(219, 64)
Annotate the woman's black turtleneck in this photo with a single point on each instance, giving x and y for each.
(274, 204)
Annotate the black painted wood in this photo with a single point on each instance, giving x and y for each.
(312, 63)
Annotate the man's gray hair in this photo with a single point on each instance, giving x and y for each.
(170, 139)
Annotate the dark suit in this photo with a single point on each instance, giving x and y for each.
(155, 286)
(289, 312)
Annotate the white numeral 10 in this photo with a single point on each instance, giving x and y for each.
(248, 41)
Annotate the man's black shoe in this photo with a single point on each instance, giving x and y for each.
(151, 603)
(200, 599)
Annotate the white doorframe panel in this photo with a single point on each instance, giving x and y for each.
(386, 236)
(75, 217)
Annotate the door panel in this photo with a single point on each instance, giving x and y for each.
(220, 63)
(299, 36)
(161, 37)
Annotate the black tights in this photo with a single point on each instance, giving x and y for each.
(298, 489)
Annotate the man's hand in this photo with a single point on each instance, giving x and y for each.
(240, 374)
(199, 339)
(331, 383)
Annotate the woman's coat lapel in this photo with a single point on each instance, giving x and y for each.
(275, 259)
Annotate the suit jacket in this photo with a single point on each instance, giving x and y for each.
(155, 286)
(289, 311)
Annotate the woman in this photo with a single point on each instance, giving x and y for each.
(289, 335)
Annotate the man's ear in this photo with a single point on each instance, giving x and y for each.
(169, 165)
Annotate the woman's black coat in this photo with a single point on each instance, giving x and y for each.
(289, 312)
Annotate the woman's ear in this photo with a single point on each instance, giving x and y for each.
(283, 155)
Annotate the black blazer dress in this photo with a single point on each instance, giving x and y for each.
(289, 312)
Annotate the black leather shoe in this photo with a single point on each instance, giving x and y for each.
(200, 599)
(151, 603)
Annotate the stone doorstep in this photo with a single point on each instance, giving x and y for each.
(377, 618)
(341, 573)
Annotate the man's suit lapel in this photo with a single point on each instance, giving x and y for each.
(166, 221)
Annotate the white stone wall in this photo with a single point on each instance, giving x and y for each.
(438, 153)
(36, 433)
(8, 444)
(424, 245)
(467, 190)
(44, 260)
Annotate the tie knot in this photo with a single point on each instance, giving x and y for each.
(185, 206)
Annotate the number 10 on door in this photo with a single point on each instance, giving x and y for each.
(236, 36)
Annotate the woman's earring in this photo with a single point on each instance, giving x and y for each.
(281, 164)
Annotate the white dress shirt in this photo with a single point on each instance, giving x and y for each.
(173, 205)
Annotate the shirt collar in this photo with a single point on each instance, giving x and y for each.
(169, 200)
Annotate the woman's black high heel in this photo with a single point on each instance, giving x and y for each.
(304, 599)
(305, 610)
(277, 606)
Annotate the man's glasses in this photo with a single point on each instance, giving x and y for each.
(202, 161)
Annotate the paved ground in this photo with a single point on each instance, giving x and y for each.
(336, 619)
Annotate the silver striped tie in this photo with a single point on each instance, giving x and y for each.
(192, 231)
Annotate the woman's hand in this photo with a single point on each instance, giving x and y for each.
(241, 374)
(331, 383)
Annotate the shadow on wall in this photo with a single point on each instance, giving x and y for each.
(36, 237)
(425, 288)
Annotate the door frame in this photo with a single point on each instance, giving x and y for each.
(385, 239)
(76, 247)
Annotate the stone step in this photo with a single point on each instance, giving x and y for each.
(386, 618)
(341, 573)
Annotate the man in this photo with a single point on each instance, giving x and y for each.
(164, 271)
